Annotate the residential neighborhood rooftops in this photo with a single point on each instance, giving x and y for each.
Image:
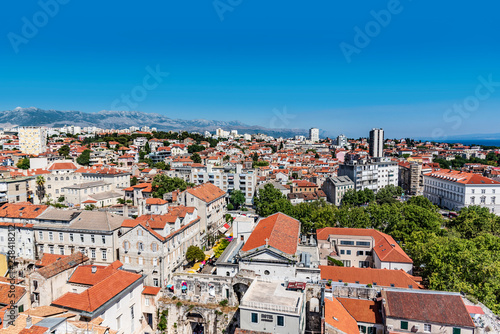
(207, 192)
(62, 264)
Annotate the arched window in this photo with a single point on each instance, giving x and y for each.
(140, 246)
(266, 272)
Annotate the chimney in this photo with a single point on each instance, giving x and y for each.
(94, 269)
(125, 211)
(28, 322)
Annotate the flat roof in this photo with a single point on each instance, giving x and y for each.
(272, 297)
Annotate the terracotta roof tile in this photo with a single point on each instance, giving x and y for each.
(207, 192)
(48, 259)
(280, 230)
(17, 210)
(338, 317)
(151, 290)
(63, 264)
(440, 308)
(382, 277)
(362, 310)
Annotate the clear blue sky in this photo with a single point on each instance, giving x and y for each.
(263, 56)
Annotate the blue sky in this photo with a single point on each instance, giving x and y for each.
(262, 60)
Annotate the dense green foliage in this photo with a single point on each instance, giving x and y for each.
(163, 184)
(64, 150)
(462, 254)
(194, 254)
(23, 163)
(84, 158)
(237, 198)
(196, 158)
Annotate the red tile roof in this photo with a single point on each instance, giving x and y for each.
(207, 192)
(151, 290)
(48, 259)
(461, 177)
(386, 248)
(155, 201)
(280, 230)
(62, 165)
(440, 308)
(63, 264)
(382, 277)
(97, 295)
(338, 317)
(83, 274)
(24, 210)
(6, 295)
(362, 310)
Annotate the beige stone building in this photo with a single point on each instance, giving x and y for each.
(33, 139)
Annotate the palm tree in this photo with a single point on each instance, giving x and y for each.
(40, 187)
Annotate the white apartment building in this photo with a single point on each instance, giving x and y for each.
(454, 190)
(33, 139)
(227, 180)
(24, 240)
(314, 135)
(377, 143)
(374, 174)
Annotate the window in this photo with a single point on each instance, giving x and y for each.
(347, 242)
(362, 243)
(51, 236)
(61, 250)
(118, 322)
(255, 318)
(362, 329)
(51, 249)
(342, 252)
(140, 261)
(155, 262)
(140, 246)
(61, 236)
(364, 264)
(154, 247)
(40, 235)
(347, 263)
(358, 253)
(103, 239)
(281, 320)
(92, 238)
(156, 282)
(457, 330)
(81, 238)
(139, 232)
(92, 253)
(404, 324)
(71, 237)
(147, 300)
(348, 252)
(104, 254)
(266, 272)
(427, 328)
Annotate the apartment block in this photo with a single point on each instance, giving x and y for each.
(32, 139)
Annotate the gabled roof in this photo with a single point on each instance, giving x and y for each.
(62, 165)
(362, 310)
(21, 210)
(48, 259)
(84, 275)
(207, 192)
(382, 277)
(430, 307)
(63, 264)
(278, 231)
(386, 248)
(155, 201)
(97, 295)
(338, 317)
(151, 290)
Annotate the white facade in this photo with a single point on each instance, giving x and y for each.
(314, 135)
(450, 192)
(377, 143)
(18, 237)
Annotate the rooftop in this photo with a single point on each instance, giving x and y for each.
(272, 296)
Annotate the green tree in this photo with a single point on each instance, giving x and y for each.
(194, 254)
(147, 148)
(133, 181)
(196, 158)
(475, 220)
(237, 198)
(84, 158)
(270, 200)
(24, 163)
(64, 150)
(161, 165)
(163, 184)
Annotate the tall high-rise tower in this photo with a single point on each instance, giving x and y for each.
(377, 143)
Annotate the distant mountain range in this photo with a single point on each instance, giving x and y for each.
(123, 119)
